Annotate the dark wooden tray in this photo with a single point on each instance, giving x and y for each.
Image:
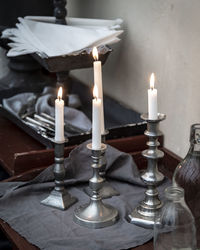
(121, 131)
(120, 120)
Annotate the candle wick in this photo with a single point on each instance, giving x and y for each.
(151, 88)
(59, 98)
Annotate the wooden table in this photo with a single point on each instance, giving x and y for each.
(20, 152)
(23, 150)
(14, 144)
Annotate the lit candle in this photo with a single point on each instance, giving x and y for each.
(59, 117)
(98, 83)
(96, 120)
(152, 100)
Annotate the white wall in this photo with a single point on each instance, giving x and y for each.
(161, 36)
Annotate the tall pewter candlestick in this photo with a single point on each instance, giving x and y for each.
(96, 214)
(144, 214)
(59, 198)
(106, 191)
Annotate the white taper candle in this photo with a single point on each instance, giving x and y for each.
(98, 83)
(152, 100)
(96, 120)
(59, 117)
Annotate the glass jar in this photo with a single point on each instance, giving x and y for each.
(187, 176)
(174, 228)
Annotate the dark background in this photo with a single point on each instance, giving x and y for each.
(10, 10)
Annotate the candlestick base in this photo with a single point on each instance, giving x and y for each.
(143, 221)
(96, 215)
(107, 191)
(59, 200)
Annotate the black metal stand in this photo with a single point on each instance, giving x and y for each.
(60, 11)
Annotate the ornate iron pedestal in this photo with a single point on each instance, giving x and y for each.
(60, 11)
(59, 198)
(96, 214)
(144, 214)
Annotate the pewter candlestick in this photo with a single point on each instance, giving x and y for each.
(96, 214)
(59, 198)
(144, 214)
(107, 191)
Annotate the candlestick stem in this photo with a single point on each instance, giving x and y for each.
(96, 214)
(144, 214)
(107, 191)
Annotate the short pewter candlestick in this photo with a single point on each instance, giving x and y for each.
(107, 191)
(59, 198)
(144, 214)
(96, 214)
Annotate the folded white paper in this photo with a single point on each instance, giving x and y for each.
(41, 35)
(81, 22)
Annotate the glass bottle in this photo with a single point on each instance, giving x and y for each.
(187, 176)
(174, 228)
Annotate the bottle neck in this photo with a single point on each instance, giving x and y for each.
(174, 193)
(194, 149)
(195, 139)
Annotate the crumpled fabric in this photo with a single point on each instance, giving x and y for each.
(52, 229)
(45, 104)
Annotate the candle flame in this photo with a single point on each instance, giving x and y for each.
(95, 91)
(152, 81)
(95, 53)
(60, 93)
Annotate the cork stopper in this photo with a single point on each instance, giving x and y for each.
(195, 133)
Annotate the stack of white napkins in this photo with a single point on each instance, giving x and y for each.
(40, 35)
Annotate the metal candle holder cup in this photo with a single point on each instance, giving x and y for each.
(107, 191)
(96, 214)
(59, 198)
(144, 214)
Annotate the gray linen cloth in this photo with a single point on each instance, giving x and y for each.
(52, 229)
(45, 103)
